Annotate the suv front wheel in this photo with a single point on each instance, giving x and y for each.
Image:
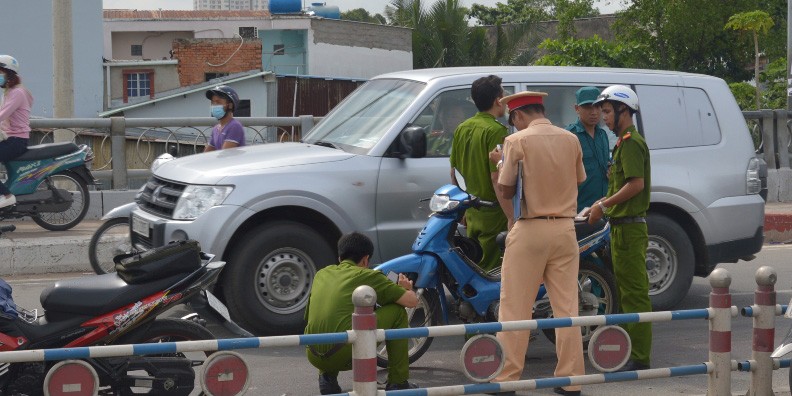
(270, 277)
(669, 262)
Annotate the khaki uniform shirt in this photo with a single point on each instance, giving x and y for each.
(552, 169)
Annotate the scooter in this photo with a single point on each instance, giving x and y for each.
(112, 237)
(443, 259)
(107, 310)
(50, 182)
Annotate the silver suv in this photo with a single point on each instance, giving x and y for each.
(274, 212)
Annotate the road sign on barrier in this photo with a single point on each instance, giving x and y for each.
(71, 378)
(225, 374)
(609, 348)
(482, 358)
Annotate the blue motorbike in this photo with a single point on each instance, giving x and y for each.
(50, 182)
(442, 259)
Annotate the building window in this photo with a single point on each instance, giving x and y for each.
(212, 76)
(278, 49)
(138, 84)
(137, 50)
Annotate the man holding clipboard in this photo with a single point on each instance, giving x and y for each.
(543, 164)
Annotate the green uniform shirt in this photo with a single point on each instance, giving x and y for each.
(630, 159)
(595, 161)
(473, 140)
(330, 305)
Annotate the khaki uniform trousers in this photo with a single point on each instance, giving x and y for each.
(536, 249)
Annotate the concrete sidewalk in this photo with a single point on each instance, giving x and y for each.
(33, 250)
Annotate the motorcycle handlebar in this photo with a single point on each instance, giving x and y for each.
(7, 228)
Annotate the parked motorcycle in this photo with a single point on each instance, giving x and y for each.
(105, 310)
(50, 182)
(112, 237)
(443, 259)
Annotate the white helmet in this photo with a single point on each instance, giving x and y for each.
(619, 93)
(9, 63)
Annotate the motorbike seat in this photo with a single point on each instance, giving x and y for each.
(101, 294)
(583, 229)
(44, 151)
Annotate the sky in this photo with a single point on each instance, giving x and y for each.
(373, 6)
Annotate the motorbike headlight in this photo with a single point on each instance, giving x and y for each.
(196, 200)
(440, 203)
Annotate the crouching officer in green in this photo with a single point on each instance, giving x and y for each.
(330, 311)
(626, 205)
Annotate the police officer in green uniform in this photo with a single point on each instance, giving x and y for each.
(330, 310)
(594, 142)
(473, 141)
(626, 204)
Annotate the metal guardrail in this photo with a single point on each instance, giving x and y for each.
(111, 138)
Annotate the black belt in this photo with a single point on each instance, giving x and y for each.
(330, 352)
(627, 220)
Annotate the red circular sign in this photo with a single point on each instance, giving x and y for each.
(609, 348)
(225, 374)
(482, 358)
(71, 378)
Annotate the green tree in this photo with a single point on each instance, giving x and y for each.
(362, 15)
(755, 22)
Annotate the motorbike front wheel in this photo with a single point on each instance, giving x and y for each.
(110, 239)
(425, 314)
(598, 285)
(74, 185)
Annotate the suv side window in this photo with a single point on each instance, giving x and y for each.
(674, 117)
(442, 116)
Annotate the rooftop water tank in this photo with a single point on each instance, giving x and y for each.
(285, 6)
(325, 11)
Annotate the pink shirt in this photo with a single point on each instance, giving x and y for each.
(15, 112)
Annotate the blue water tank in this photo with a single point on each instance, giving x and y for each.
(325, 11)
(285, 6)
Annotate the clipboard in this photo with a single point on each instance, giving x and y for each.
(519, 196)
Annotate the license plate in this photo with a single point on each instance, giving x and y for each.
(218, 306)
(140, 226)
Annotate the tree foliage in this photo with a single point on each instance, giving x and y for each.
(362, 15)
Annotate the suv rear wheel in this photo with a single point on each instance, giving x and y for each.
(669, 262)
(270, 277)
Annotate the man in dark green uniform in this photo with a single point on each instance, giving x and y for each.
(626, 205)
(330, 310)
(473, 141)
(594, 142)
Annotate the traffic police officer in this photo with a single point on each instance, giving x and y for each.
(473, 141)
(626, 204)
(330, 311)
(594, 143)
(542, 242)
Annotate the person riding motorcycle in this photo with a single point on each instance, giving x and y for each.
(14, 119)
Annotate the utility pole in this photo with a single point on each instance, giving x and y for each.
(63, 65)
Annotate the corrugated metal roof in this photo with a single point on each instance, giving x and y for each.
(182, 14)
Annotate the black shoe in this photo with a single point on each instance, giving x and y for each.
(328, 384)
(401, 386)
(632, 365)
(562, 391)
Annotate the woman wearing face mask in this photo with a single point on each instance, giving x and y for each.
(14, 119)
(229, 132)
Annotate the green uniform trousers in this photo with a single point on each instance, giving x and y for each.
(484, 225)
(628, 248)
(390, 316)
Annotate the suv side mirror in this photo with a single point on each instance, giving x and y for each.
(412, 143)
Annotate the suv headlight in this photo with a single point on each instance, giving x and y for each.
(441, 203)
(196, 200)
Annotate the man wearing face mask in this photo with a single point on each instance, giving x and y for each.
(229, 133)
(14, 119)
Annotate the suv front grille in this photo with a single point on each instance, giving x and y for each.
(159, 197)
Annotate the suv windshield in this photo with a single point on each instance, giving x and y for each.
(361, 120)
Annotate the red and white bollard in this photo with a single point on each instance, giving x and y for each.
(364, 346)
(763, 332)
(719, 381)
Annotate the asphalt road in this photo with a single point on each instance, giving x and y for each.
(285, 371)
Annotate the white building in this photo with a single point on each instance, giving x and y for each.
(28, 36)
(234, 5)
